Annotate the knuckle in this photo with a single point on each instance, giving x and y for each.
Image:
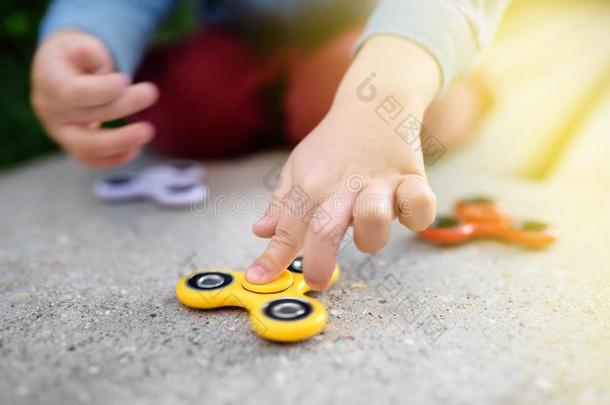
(375, 211)
(376, 214)
(312, 184)
(284, 239)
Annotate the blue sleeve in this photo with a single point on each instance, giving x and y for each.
(125, 26)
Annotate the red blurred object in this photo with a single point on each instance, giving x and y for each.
(212, 100)
(219, 93)
(482, 217)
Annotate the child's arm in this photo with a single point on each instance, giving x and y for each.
(454, 32)
(363, 164)
(75, 83)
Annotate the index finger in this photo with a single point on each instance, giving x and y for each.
(91, 90)
(326, 228)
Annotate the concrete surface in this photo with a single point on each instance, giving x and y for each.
(88, 313)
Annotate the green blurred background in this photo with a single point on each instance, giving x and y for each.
(21, 137)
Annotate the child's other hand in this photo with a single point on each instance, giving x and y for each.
(75, 90)
(353, 169)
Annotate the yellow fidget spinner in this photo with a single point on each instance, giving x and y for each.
(279, 310)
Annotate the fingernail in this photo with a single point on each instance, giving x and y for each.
(255, 273)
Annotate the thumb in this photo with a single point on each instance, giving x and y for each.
(90, 55)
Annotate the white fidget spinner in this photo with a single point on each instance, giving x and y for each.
(177, 183)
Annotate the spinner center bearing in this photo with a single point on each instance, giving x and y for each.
(276, 286)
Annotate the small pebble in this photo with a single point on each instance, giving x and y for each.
(336, 312)
(66, 297)
(17, 297)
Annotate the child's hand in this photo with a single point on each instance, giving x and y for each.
(353, 169)
(74, 90)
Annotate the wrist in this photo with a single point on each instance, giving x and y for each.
(377, 107)
(389, 65)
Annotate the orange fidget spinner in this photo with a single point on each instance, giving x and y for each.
(481, 217)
